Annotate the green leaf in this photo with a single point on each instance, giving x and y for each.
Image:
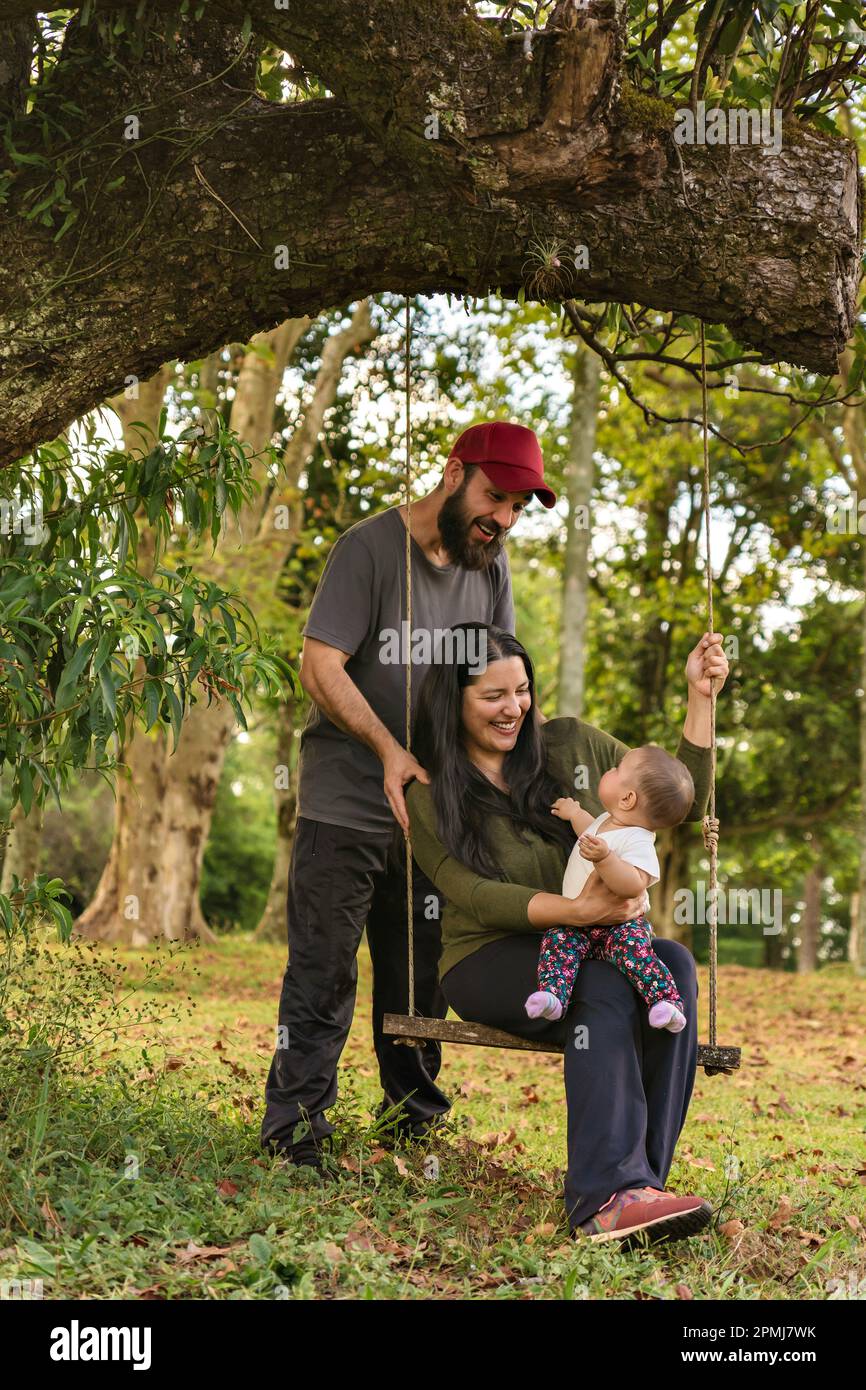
(220, 496)
(152, 700)
(192, 506)
(72, 671)
(104, 650)
(175, 713)
(260, 1249)
(109, 694)
(71, 216)
(25, 785)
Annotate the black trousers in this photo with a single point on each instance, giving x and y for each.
(627, 1086)
(340, 881)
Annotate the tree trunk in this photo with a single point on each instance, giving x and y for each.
(773, 952)
(192, 778)
(23, 846)
(129, 900)
(579, 475)
(672, 875)
(272, 926)
(853, 952)
(554, 150)
(127, 904)
(810, 922)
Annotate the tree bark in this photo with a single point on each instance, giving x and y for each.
(579, 474)
(853, 951)
(128, 902)
(810, 922)
(548, 150)
(23, 846)
(673, 863)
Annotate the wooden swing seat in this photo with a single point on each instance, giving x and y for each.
(412, 1030)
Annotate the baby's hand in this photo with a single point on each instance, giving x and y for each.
(593, 847)
(565, 807)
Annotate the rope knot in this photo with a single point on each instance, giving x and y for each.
(711, 833)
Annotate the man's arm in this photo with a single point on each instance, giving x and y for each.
(324, 678)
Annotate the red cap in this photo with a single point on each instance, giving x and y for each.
(509, 454)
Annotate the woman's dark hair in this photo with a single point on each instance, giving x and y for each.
(462, 795)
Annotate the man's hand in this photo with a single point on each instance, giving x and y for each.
(593, 847)
(598, 906)
(707, 660)
(400, 767)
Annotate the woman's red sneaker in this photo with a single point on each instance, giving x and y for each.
(638, 1215)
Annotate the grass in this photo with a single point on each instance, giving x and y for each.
(139, 1176)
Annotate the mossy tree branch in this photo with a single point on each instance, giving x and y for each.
(310, 204)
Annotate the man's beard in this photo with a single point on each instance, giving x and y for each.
(454, 527)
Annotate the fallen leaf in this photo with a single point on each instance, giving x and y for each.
(731, 1229)
(201, 1252)
(51, 1217)
(782, 1215)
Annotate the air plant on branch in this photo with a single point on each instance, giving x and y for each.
(546, 271)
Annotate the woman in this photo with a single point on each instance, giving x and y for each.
(483, 832)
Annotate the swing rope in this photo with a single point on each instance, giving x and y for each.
(410, 914)
(710, 822)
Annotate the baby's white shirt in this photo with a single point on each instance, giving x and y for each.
(633, 843)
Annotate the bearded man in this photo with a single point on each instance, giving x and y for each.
(344, 875)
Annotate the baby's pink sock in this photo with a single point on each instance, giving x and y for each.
(541, 1004)
(664, 1014)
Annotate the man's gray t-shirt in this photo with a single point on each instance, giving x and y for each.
(361, 594)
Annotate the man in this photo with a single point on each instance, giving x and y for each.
(353, 768)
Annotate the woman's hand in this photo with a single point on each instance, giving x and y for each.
(598, 906)
(708, 660)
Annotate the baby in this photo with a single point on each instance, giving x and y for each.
(648, 791)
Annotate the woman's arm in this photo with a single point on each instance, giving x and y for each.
(596, 905)
(490, 901)
(508, 906)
